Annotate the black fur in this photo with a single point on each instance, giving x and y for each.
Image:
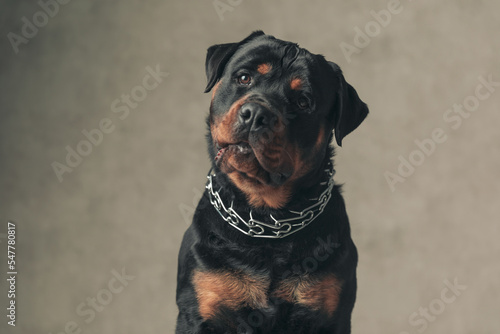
(211, 245)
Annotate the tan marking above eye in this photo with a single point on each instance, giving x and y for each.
(296, 84)
(264, 68)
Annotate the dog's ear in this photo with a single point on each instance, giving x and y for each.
(218, 56)
(349, 111)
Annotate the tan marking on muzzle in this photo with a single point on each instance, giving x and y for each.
(260, 194)
(222, 126)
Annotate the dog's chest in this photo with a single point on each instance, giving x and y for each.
(235, 290)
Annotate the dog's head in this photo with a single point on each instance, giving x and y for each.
(274, 107)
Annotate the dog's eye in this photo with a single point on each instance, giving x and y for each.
(245, 79)
(303, 103)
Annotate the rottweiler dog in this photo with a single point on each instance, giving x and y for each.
(269, 249)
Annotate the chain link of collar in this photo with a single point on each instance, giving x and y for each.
(272, 228)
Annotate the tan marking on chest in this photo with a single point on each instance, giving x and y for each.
(228, 289)
(317, 293)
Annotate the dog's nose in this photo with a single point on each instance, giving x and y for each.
(255, 117)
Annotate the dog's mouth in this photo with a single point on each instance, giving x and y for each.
(250, 163)
(241, 148)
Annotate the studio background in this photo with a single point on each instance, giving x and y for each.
(123, 208)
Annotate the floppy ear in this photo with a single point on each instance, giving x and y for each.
(349, 111)
(218, 56)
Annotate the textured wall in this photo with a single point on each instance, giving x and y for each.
(123, 207)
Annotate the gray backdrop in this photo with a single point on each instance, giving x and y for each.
(96, 248)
